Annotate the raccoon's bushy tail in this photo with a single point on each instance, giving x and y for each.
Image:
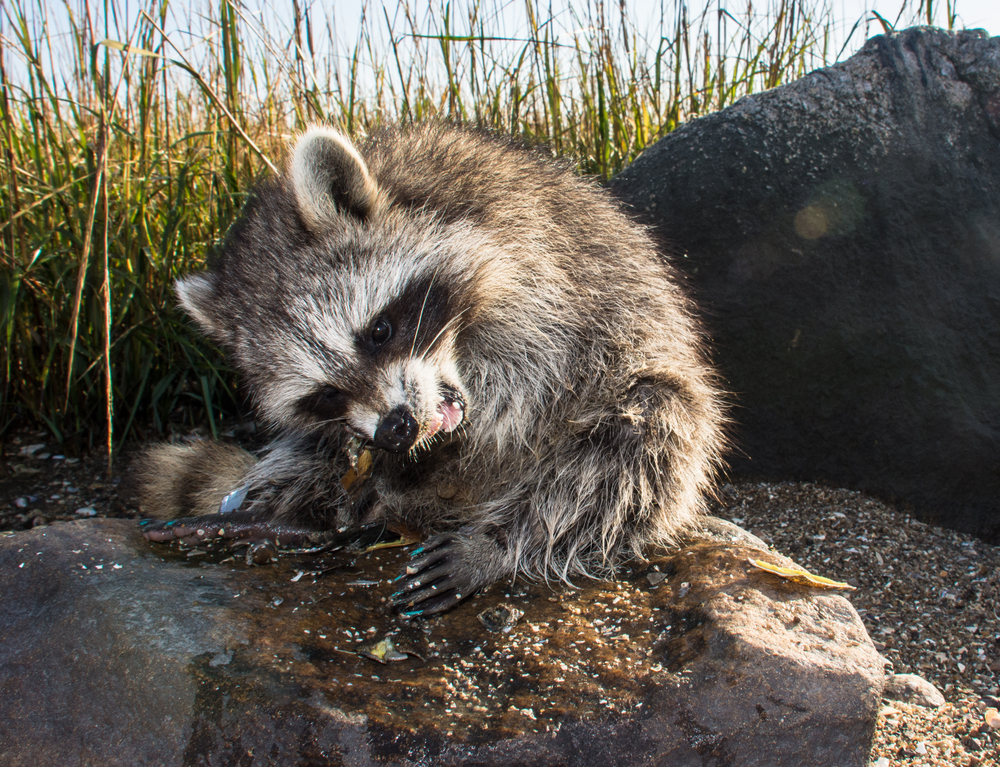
(189, 480)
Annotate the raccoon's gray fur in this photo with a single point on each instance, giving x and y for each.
(517, 349)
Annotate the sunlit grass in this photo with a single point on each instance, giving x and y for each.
(129, 143)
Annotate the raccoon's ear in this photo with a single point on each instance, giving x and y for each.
(197, 295)
(331, 180)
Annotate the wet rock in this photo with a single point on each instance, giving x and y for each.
(118, 652)
(842, 234)
(910, 688)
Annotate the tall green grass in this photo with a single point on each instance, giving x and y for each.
(129, 142)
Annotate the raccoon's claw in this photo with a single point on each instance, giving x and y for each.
(434, 580)
(217, 526)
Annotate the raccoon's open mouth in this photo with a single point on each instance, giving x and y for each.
(399, 430)
(448, 415)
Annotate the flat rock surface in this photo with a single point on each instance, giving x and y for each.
(119, 652)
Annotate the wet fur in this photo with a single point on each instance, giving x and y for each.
(593, 424)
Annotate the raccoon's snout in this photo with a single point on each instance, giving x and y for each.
(398, 431)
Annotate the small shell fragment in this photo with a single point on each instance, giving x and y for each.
(234, 499)
(503, 617)
(992, 717)
(261, 553)
(656, 578)
(385, 651)
(801, 576)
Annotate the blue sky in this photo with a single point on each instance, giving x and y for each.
(853, 23)
(971, 13)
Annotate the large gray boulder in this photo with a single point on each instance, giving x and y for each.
(116, 652)
(843, 236)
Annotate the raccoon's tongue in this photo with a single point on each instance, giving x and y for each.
(451, 415)
(447, 417)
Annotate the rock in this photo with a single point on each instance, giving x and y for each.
(842, 234)
(910, 688)
(119, 653)
(714, 529)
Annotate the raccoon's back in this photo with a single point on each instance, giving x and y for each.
(501, 184)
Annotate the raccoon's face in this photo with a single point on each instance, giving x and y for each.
(351, 324)
(385, 369)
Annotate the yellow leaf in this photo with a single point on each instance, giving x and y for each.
(129, 49)
(359, 472)
(801, 575)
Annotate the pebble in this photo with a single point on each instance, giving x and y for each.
(992, 717)
(910, 688)
(87, 511)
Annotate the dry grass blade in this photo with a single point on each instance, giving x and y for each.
(81, 273)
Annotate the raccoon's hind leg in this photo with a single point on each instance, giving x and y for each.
(241, 526)
(183, 486)
(290, 495)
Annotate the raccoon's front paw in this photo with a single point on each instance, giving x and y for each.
(440, 575)
(230, 527)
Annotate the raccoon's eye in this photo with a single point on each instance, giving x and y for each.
(381, 332)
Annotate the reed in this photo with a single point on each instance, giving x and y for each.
(129, 143)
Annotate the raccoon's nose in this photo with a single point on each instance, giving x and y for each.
(397, 432)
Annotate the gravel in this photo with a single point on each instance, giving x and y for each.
(929, 597)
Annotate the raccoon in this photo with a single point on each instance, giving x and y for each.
(506, 349)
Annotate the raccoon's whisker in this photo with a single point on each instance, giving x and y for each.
(447, 325)
(316, 425)
(420, 317)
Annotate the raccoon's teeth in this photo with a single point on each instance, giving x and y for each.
(437, 420)
(446, 418)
